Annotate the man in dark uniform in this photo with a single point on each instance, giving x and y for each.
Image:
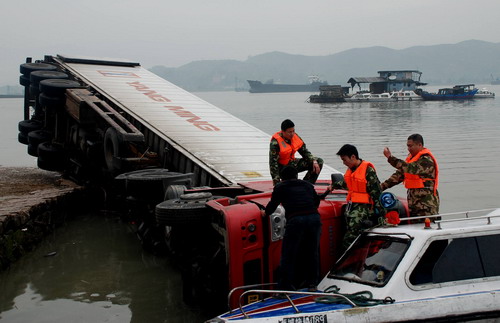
(419, 172)
(302, 229)
(282, 150)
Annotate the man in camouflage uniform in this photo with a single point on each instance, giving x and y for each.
(419, 172)
(363, 209)
(282, 150)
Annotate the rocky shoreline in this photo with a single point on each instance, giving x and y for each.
(32, 203)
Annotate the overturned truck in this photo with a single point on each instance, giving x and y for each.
(192, 177)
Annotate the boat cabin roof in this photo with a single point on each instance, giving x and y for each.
(464, 85)
(477, 220)
(366, 79)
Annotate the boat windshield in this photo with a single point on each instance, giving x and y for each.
(371, 260)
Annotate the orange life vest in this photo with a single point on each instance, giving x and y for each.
(414, 180)
(356, 184)
(287, 151)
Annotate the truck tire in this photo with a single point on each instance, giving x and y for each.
(196, 196)
(149, 183)
(51, 157)
(34, 90)
(183, 212)
(35, 138)
(24, 80)
(37, 76)
(57, 87)
(27, 68)
(45, 165)
(174, 192)
(33, 150)
(112, 150)
(27, 126)
(22, 138)
(51, 101)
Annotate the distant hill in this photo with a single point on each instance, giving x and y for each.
(471, 61)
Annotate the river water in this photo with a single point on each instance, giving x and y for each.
(100, 272)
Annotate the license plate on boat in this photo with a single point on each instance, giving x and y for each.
(306, 319)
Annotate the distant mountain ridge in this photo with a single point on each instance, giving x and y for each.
(471, 61)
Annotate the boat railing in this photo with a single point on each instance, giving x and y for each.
(465, 214)
(287, 294)
(242, 288)
(485, 217)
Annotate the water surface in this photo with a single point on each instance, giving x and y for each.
(101, 274)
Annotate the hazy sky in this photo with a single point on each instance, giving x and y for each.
(173, 33)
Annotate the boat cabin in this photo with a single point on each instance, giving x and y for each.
(390, 81)
(457, 89)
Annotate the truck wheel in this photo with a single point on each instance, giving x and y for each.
(24, 80)
(34, 90)
(38, 136)
(57, 87)
(35, 138)
(37, 76)
(112, 150)
(33, 150)
(196, 196)
(51, 157)
(150, 183)
(27, 68)
(183, 212)
(22, 138)
(42, 164)
(51, 101)
(27, 126)
(174, 192)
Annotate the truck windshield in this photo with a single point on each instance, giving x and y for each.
(371, 260)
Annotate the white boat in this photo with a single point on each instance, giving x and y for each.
(406, 96)
(382, 97)
(446, 271)
(385, 97)
(358, 97)
(484, 94)
(369, 97)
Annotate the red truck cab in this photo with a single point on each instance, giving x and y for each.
(253, 241)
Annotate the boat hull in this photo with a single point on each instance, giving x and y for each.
(438, 97)
(449, 308)
(259, 87)
(442, 96)
(484, 94)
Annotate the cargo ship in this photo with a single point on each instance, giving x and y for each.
(270, 86)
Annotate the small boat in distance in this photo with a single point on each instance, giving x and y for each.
(385, 97)
(271, 87)
(406, 96)
(380, 97)
(359, 97)
(10, 96)
(484, 94)
(458, 92)
(370, 97)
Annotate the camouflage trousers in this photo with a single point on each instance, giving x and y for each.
(422, 202)
(301, 165)
(359, 217)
